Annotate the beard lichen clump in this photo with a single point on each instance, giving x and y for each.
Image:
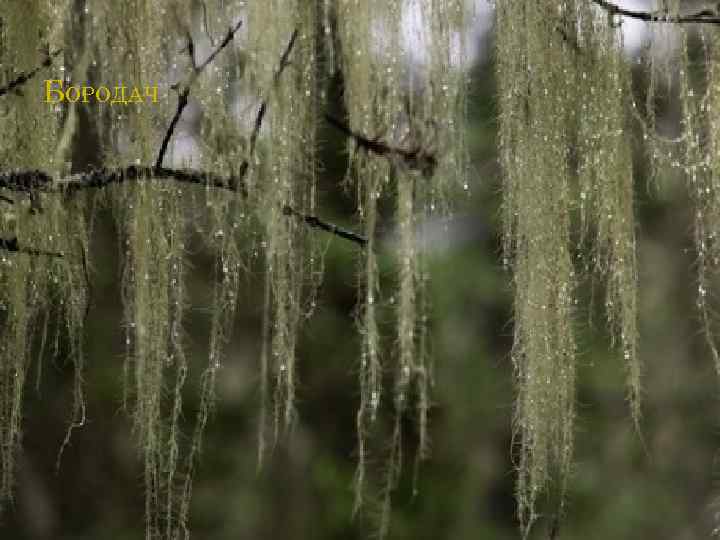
(696, 154)
(564, 152)
(413, 105)
(152, 226)
(416, 107)
(282, 181)
(535, 139)
(370, 110)
(34, 287)
(605, 184)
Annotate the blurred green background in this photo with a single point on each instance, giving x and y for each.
(619, 490)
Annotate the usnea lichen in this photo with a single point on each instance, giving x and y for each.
(566, 111)
(414, 108)
(566, 107)
(414, 105)
(32, 288)
(563, 145)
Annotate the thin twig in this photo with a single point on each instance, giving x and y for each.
(182, 103)
(224, 43)
(86, 276)
(25, 77)
(185, 91)
(317, 223)
(284, 62)
(704, 16)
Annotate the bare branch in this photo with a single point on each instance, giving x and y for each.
(224, 43)
(704, 16)
(317, 223)
(35, 181)
(182, 103)
(185, 91)
(415, 159)
(25, 77)
(284, 62)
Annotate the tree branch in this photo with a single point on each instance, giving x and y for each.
(415, 159)
(185, 91)
(317, 223)
(39, 181)
(704, 16)
(284, 62)
(25, 77)
(36, 181)
(182, 103)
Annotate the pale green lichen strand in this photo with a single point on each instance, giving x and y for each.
(151, 218)
(535, 94)
(605, 179)
(128, 45)
(701, 168)
(32, 287)
(284, 177)
(416, 107)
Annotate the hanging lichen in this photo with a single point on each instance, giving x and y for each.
(703, 174)
(370, 375)
(223, 149)
(151, 219)
(563, 87)
(535, 89)
(605, 177)
(413, 108)
(361, 73)
(284, 181)
(53, 281)
(697, 156)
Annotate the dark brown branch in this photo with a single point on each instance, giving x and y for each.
(12, 244)
(185, 91)
(317, 223)
(40, 181)
(284, 62)
(415, 159)
(86, 275)
(182, 103)
(224, 43)
(33, 182)
(705, 16)
(25, 77)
